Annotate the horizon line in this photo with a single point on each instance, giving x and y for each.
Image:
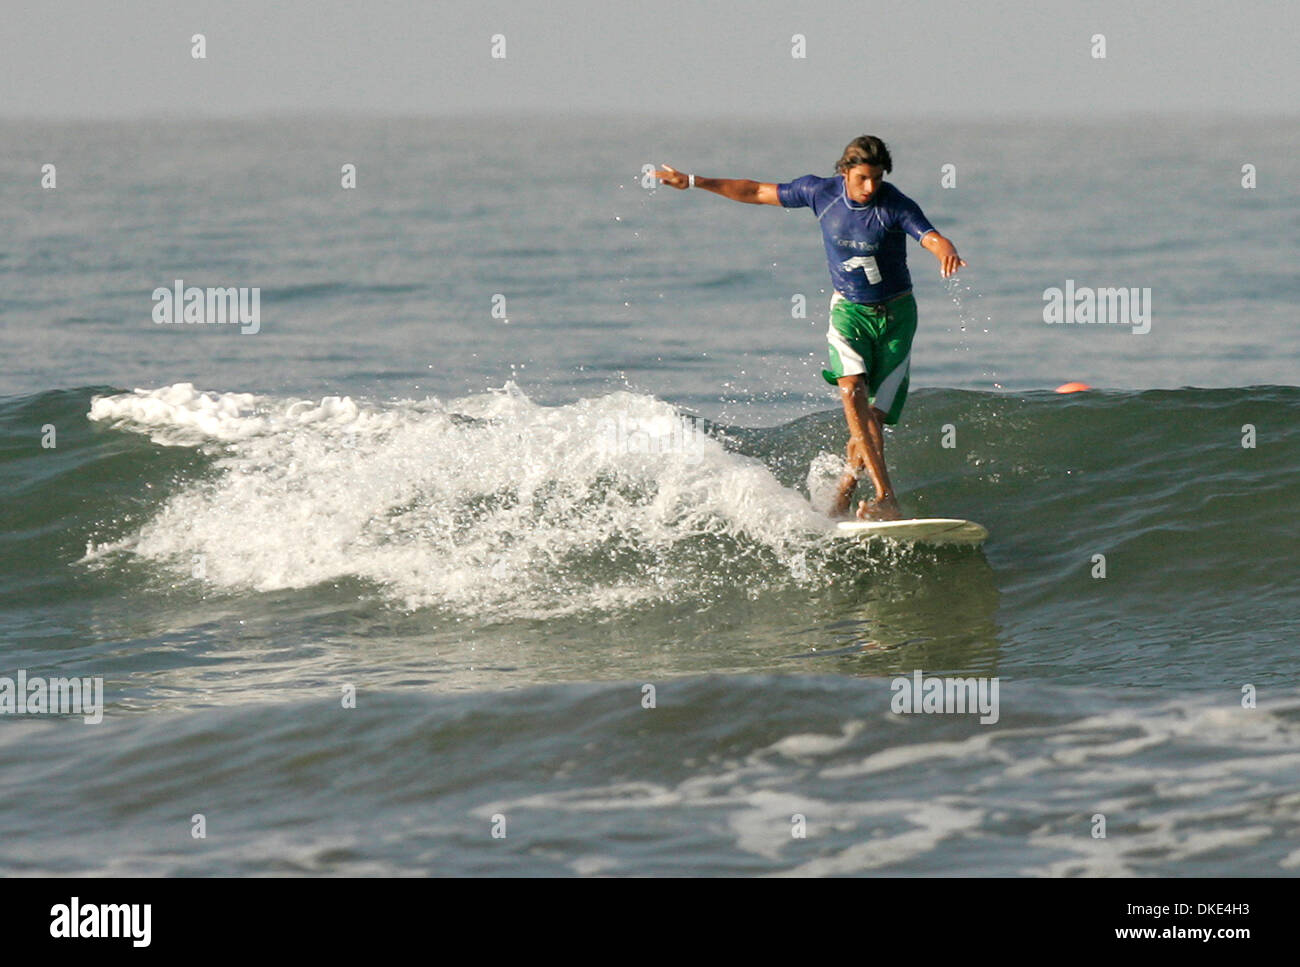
(1036, 116)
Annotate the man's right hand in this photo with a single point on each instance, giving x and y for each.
(672, 177)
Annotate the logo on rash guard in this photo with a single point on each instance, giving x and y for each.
(857, 244)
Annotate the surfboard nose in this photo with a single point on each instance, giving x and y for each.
(918, 530)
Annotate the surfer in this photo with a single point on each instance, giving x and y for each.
(872, 312)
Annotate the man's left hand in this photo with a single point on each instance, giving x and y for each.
(942, 249)
(949, 264)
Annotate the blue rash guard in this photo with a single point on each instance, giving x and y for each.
(865, 248)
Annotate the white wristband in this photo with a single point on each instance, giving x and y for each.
(690, 181)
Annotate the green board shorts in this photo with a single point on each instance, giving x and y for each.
(875, 340)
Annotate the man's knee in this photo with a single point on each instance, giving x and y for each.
(852, 385)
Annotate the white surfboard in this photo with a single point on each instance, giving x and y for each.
(918, 530)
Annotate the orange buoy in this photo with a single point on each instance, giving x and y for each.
(1072, 387)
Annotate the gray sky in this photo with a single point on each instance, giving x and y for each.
(90, 58)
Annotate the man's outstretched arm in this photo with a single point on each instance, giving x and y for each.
(737, 189)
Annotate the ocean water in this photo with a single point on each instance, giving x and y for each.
(399, 585)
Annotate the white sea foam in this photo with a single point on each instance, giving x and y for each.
(492, 503)
(823, 479)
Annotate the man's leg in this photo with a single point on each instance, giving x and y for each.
(866, 450)
(891, 355)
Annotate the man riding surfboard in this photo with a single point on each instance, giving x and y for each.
(872, 312)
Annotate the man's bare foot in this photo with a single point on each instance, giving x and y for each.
(879, 509)
(844, 496)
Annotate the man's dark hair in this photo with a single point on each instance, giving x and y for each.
(866, 150)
